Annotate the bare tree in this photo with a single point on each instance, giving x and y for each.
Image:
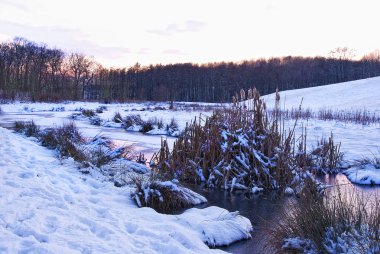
(81, 69)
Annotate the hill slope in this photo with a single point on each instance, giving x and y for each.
(359, 94)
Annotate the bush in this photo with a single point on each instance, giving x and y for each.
(117, 118)
(28, 128)
(88, 113)
(160, 124)
(66, 140)
(99, 151)
(95, 120)
(146, 127)
(341, 222)
(101, 109)
(172, 127)
(31, 129)
(131, 120)
(19, 126)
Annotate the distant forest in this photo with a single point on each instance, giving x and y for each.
(30, 71)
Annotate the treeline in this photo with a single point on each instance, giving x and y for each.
(31, 71)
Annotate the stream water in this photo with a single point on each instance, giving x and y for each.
(262, 209)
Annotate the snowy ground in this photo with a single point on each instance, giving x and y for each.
(47, 206)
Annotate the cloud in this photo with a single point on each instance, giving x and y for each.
(63, 38)
(144, 51)
(188, 26)
(172, 52)
(17, 4)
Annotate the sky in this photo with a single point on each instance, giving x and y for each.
(120, 33)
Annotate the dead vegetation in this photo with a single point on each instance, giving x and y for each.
(242, 147)
(162, 196)
(358, 116)
(68, 142)
(343, 221)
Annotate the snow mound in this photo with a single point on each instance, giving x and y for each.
(218, 227)
(367, 174)
(47, 206)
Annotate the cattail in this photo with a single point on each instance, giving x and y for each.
(242, 94)
(250, 93)
(255, 94)
(277, 95)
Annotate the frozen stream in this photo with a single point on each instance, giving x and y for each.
(141, 143)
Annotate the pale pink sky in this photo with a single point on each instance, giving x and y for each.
(123, 32)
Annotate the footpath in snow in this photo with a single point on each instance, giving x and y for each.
(47, 206)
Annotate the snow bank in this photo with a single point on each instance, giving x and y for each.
(47, 206)
(216, 226)
(367, 174)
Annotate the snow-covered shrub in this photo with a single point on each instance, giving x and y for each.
(99, 151)
(132, 120)
(160, 123)
(19, 126)
(101, 109)
(172, 128)
(117, 118)
(164, 197)
(88, 113)
(95, 120)
(343, 222)
(146, 126)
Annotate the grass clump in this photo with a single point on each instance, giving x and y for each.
(164, 197)
(132, 120)
(66, 139)
(88, 112)
(146, 126)
(101, 109)
(19, 126)
(29, 128)
(341, 222)
(172, 127)
(117, 118)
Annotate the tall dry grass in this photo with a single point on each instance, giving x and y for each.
(242, 145)
(344, 220)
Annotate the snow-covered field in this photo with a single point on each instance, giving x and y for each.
(353, 95)
(47, 206)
